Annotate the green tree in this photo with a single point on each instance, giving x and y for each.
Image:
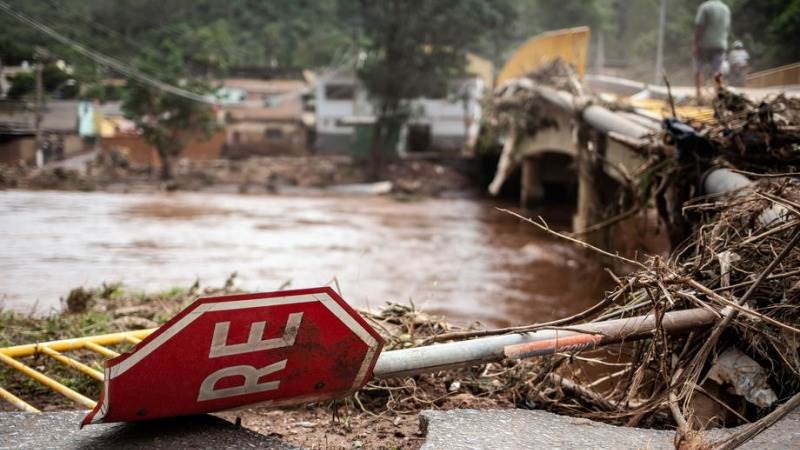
(413, 48)
(167, 121)
(22, 85)
(210, 48)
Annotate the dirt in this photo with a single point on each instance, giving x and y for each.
(257, 175)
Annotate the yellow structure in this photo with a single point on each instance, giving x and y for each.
(571, 45)
(661, 109)
(54, 349)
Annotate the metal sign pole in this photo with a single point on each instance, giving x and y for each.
(432, 358)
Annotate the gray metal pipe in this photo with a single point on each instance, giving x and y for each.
(432, 358)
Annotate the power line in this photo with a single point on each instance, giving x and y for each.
(328, 73)
(105, 60)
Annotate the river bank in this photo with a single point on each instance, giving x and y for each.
(257, 175)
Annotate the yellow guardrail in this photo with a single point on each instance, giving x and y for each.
(661, 109)
(571, 45)
(55, 350)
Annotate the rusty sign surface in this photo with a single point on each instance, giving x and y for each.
(227, 352)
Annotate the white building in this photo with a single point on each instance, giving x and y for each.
(437, 124)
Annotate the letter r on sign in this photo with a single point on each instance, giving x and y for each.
(250, 386)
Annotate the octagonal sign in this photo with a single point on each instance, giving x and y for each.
(227, 352)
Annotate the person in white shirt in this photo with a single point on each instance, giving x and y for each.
(739, 61)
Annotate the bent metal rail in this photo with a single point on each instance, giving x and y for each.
(55, 349)
(390, 364)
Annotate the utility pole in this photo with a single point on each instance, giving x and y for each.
(600, 61)
(39, 111)
(662, 23)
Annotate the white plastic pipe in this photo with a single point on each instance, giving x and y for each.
(721, 181)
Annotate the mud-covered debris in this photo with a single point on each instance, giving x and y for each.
(78, 300)
(745, 377)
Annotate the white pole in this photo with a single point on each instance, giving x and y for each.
(662, 23)
(432, 358)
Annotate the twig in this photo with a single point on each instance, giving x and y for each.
(669, 96)
(738, 306)
(526, 328)
(698, 361)
(786, 203)
(608, 222)
(776, 276)
(752, 430)
(721, 403)
(581, 391)
(544, 227)
(771, 231)
(766, 175)
(609, 377)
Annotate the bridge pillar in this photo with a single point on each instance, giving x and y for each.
(590, 147)
(532, 190)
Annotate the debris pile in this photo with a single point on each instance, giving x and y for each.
(762, 138)
(257, 175)
(515, 110)
(746, 272)
(734, 254)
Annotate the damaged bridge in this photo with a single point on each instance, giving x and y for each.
(574, 137)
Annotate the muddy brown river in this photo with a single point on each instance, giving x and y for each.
(457, 257)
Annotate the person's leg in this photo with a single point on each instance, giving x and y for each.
(716, 61)
(697, 62)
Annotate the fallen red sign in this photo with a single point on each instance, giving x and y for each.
(226, 352)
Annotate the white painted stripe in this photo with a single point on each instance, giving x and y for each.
(104, 404)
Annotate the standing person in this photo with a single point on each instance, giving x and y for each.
(712, 24)
(739, 60)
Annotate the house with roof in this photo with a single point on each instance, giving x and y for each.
(18, 131)
(447, 123)
(266, 117)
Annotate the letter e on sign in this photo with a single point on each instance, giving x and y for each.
(227, 352)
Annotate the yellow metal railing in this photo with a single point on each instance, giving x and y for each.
(55, 350)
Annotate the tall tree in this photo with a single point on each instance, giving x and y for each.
(413, 48)
(167, 121)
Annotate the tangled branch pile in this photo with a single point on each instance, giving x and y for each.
(495, 385)
(734, 256)
(741, 369)
(757, 139)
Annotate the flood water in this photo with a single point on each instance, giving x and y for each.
(457, 257)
